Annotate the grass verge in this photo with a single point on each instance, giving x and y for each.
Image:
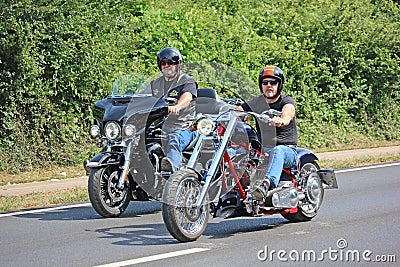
(37, 200)
(359, 161)
(42, 175)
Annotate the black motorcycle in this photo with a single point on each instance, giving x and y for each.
(128, 125)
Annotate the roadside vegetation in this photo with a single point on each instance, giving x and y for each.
(57, 58)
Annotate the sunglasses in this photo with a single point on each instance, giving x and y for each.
(169, 62)
(271, 82)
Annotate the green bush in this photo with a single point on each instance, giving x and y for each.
(58, 57)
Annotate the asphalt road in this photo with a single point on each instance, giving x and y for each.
(357, 225)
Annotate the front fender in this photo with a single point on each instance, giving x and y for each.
(103, 159)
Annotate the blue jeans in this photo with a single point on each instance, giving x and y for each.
(178, 141)
(279, 157)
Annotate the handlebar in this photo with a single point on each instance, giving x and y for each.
(267, 115)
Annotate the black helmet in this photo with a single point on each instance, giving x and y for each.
(273, 72)
(170, 53)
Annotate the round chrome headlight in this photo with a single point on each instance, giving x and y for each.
(112, 130)
(95, 131)
(129, 130)
(205, 126)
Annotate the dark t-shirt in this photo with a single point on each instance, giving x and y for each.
(175, 89)
(271, 135)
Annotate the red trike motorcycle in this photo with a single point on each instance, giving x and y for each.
(222, 186)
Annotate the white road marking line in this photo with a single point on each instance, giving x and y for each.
(44, 210)
(155, 257)
(368, 167)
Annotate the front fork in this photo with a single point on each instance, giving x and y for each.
(219, 154)
(125, 169)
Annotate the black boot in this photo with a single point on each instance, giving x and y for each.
(261, 189)
(166, 165)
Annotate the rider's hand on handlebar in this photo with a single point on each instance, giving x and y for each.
(173, 109)
(277, 121)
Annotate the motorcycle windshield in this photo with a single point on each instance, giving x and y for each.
(129, 85)
(142, 103)
(149, 113)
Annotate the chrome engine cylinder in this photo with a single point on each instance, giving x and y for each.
(285, 198)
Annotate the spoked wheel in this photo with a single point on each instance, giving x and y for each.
(106, 198)
(314, 194)
(183, 219)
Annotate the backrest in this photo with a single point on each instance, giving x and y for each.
(208, 102)
(206, 92)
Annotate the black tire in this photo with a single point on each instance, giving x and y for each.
(106, 198)
(183, 222)
(314, 193)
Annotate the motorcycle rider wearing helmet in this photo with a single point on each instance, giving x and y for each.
(282, 148)
(174, 83)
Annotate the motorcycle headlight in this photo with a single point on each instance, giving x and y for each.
(95, 131)
(112, 130)
(129, 130)
(205, 126)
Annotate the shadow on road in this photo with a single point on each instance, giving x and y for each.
(136, 208)
(126, 232)
(157, 234)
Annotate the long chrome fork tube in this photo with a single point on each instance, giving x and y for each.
(196, 152)
(125, 168)
(217, 159)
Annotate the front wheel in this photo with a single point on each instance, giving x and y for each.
(184, 221)
(313, 194)
(106, 198)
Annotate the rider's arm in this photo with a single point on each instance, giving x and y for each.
(183, 102)
(288, 113)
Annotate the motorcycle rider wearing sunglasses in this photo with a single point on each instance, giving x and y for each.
(282, 148)
(174, 83)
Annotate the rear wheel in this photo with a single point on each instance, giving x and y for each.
(106, 198)
(314, 193)
(184, 221)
